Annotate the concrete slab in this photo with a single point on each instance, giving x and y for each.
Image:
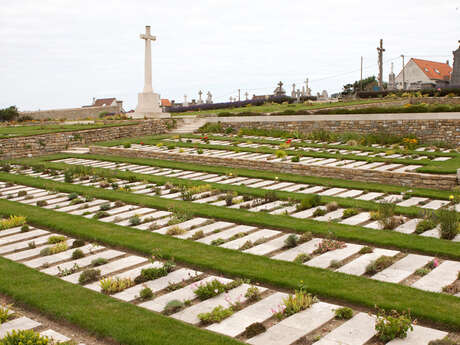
(294, 327)
(324, 260)
(157, 284)
(57, 337)
(356, 331)
(257, 312)
(21, 323)
(265, 233)
(304, 248)
(226, 234)
(419, 336)
(357, 219)
(403, 268)
(443, 275)
(358, 266)
(268, 247)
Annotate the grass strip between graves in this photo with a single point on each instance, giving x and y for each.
(263, 174)
(412, 211)
(97, 313)
(388, 239)
(438, 308)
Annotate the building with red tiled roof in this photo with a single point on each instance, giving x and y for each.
(107, 102)
(423, 74)
(165, 103)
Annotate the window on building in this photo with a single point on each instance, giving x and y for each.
(426, 69)
(436, 70)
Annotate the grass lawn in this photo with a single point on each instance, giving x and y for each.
(20, 131)
(97, 313)
(375, 187)
(429, 166)
(438, 308)
(270, 108)
(388, 239)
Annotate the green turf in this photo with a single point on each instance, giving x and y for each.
(274, 107)
(19, 131)
(97, 313)
(447, 167)
(438, 308)
(390, 239)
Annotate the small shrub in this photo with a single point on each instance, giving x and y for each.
(327, 245)
(113, 285)
(25, 228)
(425, 225)
(295, 159)
(12, 222)
(379, 265)
(280, 154)
(78, 243)
(77, 254)
(218, 314)
(422, 271)
(56, 239)
(4, 313)
(126, 145)
(134, 220)
(305, 237)
(197, 235)
(173, 306)
(72, 196)
(154, 272)
(210, 289)
(301, 258)
(217, 242)
(146, 294)
(449, 224)
(22, 193)
(349, 212)
(252, 294)
(332, 206)
(291, 241)
(100, 214)
(392, 325)
(89, 276)
(105, 207)
(293, 304)
(309, 202)
(99, 262)
(175, 231)
(334, 264)
(344, 313)
(24, 337)
(319, 212)
(254, 329)
(366, 250)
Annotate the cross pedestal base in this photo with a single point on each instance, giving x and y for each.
(148, 105)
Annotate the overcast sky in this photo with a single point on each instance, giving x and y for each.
(60, 53)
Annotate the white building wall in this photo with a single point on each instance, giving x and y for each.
(413, 75)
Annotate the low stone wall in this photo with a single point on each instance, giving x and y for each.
(444, 182)
(435, 100)
(54, 142)
(70, 113)
(426, 127)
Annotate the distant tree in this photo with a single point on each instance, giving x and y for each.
(9, 114)
(365, 85)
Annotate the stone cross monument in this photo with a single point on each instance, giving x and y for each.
(148, 102)
(298, 93)
(200, 100)
(293, 91)
(246, 94)
(185, 104)
(209, 97)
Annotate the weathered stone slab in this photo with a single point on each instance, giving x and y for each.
(324, 260)
(25, 254)
(157, 284)
(294, 327)
(358, 266)
(184, 294)
(194, 222)
(294, 188)
(21, 323)
(84, 262)
(268, 206)
(332, 191)
(257, 312)
(352, 193)
(190, 314)
(369, 196)
(22, 236)
(268, 247)
(23, 245)
(435, 204)
(305, 213)
(330, 215)
(313, 189)
(304, 248)
(52, 259)
(265, 233)
(403, 268)
(412, 201)
(226, 234)
(357, 219)
(57, 337)
(419, 336)
(356, 331)
(110, 267)
(443, 275)
(207, 229)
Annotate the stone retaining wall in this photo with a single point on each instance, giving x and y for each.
(54, 142)
(70, 113)
(436, 100)
(427, 130)
(444, 182)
